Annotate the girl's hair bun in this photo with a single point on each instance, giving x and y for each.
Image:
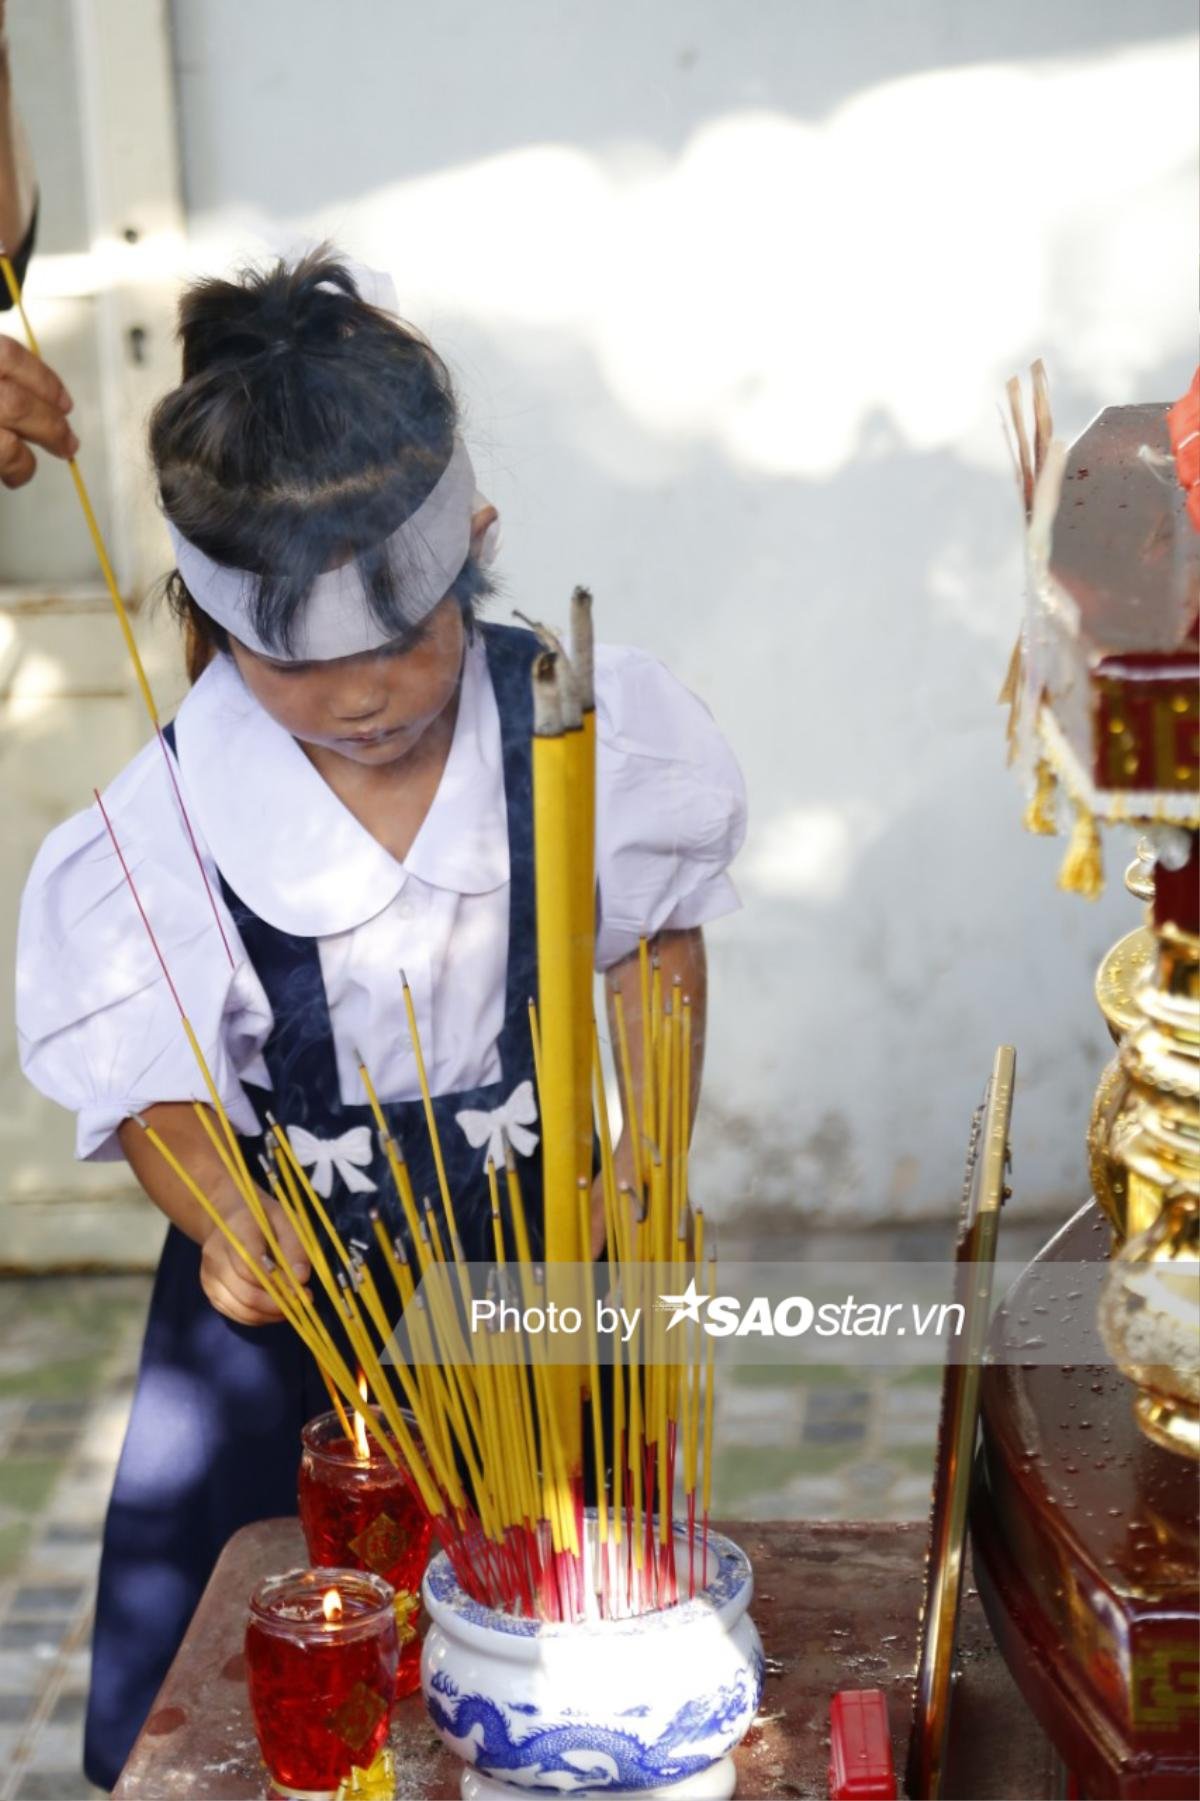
(308, 425)
(270, 312)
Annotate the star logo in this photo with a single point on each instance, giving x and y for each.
(686, 1305)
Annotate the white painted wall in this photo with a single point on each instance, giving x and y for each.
(731, 291)
(94, 85)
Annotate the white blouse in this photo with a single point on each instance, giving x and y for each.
(97, 1027)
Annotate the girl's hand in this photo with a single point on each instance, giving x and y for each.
(228, 1281)
(623, 1163)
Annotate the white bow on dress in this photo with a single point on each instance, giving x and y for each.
(348, 1155)
(508, 1122)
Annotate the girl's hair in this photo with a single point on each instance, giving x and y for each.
(307, 427)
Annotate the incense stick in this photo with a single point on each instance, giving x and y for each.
(114, 593)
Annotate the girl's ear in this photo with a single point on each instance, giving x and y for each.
(485, 533)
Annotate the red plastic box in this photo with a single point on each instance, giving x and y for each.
(860, 1747)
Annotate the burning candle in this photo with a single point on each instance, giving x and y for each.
(361, 1512)
(321, 1655)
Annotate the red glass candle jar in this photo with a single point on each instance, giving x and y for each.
(361, 1512)
(321, 1656)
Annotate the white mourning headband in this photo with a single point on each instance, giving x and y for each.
(426, 553)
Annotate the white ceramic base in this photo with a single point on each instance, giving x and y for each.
(717, 1783)
(599, 1707)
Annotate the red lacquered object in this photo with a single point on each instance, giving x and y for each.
(860, 1747)
(360, 1512)
(321, 1655)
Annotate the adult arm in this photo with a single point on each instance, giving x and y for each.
(34, 403)
(17, 185)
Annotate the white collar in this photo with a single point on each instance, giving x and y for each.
(284, 841)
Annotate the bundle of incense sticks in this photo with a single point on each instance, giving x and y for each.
(502, 1442)
(499, 1446)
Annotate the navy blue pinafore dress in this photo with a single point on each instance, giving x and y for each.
(213, 1441)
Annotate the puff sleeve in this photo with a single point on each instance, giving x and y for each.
(98, 1030)
(670, 808)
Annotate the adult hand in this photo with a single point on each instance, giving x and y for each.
(226, 1279)
(33, 410)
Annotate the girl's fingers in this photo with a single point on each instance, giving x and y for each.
(231, 1286)
(231, 1301)
(289, 1243)
(245, 1283)
(241, 1299)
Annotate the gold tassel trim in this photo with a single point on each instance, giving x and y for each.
(1009, 696)
(1083, 866)
(1039, 814)
(376, 1784)
(1012, 677)
(406, 1607)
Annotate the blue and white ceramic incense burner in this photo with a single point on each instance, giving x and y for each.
(651, 1705)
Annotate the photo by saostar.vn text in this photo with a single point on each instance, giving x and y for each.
(918, 1313)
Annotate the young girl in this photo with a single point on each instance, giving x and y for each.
(354, 761)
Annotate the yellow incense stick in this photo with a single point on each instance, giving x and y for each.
(521, 1398)
(557, 918)
(535, 1039)
(456, 1357)
(395, 1257)
(556, 1013)
(589, 1309)
(557, 1501)
(656, 1007)
(114, 594)
(343, 1417)
(583, 873)
(608, 1168)
(427, 1103)
(98, 545)
(397, 1266)
(644, 984)
(710, 1353)
(266, 1277)
(636, 1378)
(692, 1441)
(629, 1104)
(382, 1390)
(344, 1294)
(685, 1110)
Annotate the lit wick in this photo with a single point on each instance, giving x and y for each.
(331, 1606)
(362, 1449)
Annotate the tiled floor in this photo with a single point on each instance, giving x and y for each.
(68, 1350)
(827, 1443)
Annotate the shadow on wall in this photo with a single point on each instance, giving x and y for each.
(742, 377)
(621, 80)
(899, 922)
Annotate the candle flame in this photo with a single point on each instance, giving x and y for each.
(331, 1604)
(361, 1447)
